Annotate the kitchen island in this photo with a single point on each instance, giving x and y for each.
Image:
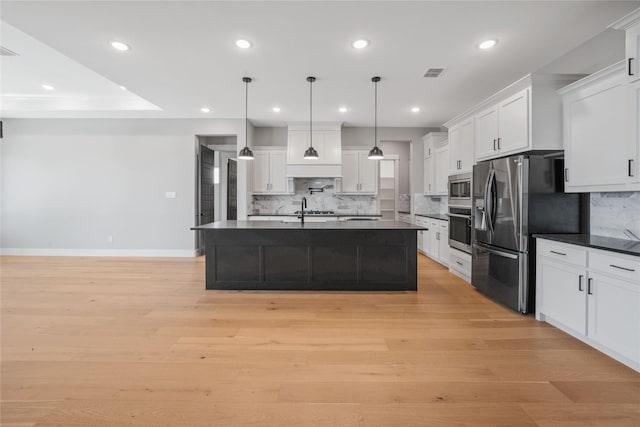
(328, 256)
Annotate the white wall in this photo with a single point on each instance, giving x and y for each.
(69, 184)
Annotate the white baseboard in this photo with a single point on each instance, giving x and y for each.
(169, 253)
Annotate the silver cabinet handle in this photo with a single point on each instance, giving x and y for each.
(566, 174)
(494, 144)
(629, 67)
(580, 277)
(459, 263)
(631, 168)
(621, 268)
(558, 253)
(498, 143)
(590, 286)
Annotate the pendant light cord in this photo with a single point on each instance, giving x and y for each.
(310, 113)
(375, 115)
(246, 113)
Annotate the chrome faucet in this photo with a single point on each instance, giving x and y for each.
(303, 207)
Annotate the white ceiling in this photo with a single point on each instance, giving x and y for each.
(183, 55)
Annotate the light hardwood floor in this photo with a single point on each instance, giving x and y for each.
(124, 342)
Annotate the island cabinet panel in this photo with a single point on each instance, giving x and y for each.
(311, 259)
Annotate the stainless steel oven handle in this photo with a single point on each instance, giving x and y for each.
(495, 251)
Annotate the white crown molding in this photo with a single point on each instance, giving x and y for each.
(143, 253)
(626, 21)
(604, 73)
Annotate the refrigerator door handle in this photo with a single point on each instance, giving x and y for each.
(495, 251)
(488, 200)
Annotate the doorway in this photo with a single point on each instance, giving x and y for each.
(216, 181)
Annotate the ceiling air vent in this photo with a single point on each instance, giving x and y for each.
(6, 52)
(434, 72)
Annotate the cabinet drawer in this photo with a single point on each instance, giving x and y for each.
(563, 253)
(622, 267)
(460, 262)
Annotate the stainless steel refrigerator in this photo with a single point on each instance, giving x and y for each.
(512, 198)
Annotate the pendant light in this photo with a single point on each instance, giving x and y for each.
(376, 152)
(311, 153)
(246, 153)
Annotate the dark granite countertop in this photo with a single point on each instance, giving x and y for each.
(330, 225)
(442, 217)
(628, 247)
(318, 215)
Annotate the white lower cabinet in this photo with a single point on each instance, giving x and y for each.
(434, 243)
(593, 295)
(460, 264)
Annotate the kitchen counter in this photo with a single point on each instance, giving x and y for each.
(628, 247)
(329, 225)
(315, 256)
(441, 217)
(319, 215)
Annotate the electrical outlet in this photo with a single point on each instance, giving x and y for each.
(170, 195)
(109, 239)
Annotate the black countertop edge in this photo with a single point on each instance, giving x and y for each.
(405, 212)
(329, 225)
(622, 246)
(441, 217)
(320, 215)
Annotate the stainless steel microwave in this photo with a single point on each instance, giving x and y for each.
(460, 189)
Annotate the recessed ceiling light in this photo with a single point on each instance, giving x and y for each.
(415, 109)
(243, 44)
(487, 44)
(276, 109)
(123, 88)
(47, 87)
(120, 46)
(205, 109)
(360, 44)
(343, 109)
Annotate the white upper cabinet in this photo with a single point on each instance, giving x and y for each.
(359, 173)
(442, 170)
(513, 123)
(269, 172)
(486, 138)
(434, 159)
(598, 147)
(631, 25)
(350, 180)
(461, 147)
(524, 116)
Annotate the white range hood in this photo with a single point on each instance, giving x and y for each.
(327, 140)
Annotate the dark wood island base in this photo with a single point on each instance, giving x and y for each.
(337, 256)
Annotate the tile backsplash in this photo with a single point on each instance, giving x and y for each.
(616, 215)
(429, 204)
(327, 200)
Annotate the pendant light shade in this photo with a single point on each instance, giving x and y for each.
(376, 152)
(311, 153)
(246, 153)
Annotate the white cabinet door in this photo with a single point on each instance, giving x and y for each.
(350, 171)
(443, 242)
(513, 123)
(633, 126)
(428, 149)
(562, 294)
(368, 173)
(429, 175)
(596, 136)
(260, 176)
(633, 53)
(486, 133)
(434, 247)
(614, 315)
(461, 147)
(278, 171)
(296, 146)
(442, 170)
